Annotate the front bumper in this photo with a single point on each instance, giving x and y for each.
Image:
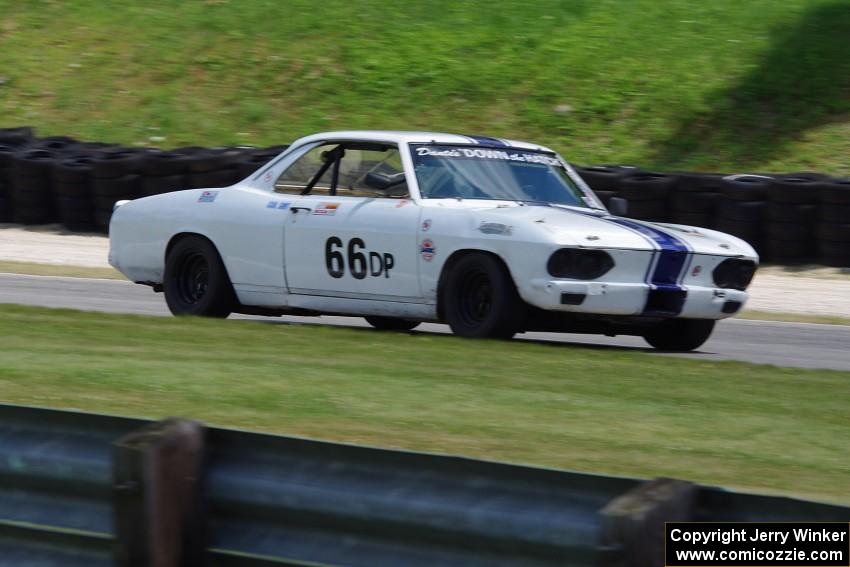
(695, 302)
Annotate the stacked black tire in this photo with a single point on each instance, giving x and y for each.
(72, 192)
(833, 227)
(11, 140)
(648, 194)
(117, 176)
(58, 179)
(213, 167)
(695, 199)
(120, 174)
(164, 172)
(652, 196)
(741, 208)
(6, 212)
(789, 217)
(31, 192)
(605, 179)
(253, 160)
(46, 180)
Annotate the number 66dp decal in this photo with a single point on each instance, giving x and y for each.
(360, 262)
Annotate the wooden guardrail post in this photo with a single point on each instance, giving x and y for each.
(632, 525)
(158, 496)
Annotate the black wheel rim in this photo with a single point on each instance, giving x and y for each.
(193, 278)
(476, 298)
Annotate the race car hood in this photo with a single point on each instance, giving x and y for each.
(572, 226)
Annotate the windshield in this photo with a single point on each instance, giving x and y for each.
(465, 172)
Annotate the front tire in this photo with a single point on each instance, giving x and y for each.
(480, 299)
(195, 280)
(391, 323)
(680, 334)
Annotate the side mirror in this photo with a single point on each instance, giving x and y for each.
(618, 206)
(381, 181)
(377, 181)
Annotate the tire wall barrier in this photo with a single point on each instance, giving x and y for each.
(61, 180)
(788, 218)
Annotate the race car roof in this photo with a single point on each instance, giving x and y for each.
(403, 137)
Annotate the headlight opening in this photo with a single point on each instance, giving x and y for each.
(734, 273)
(579, 264)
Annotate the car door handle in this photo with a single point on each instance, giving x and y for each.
(296, 209)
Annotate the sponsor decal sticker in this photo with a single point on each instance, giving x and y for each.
(400, 204)
(495, 228)
(208, 197)
(426, 225)
(278, 205)
(696, 271)
(326, 209)
(487, 153)
(687, 230)
(427, 250)
(268, 177)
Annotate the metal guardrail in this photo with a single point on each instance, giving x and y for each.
(270, 500)
(56, 486)
(336, 502)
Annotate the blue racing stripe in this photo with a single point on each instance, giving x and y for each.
(672, 257)
(485, 141)
(672, 254)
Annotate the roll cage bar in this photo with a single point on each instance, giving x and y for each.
(332, 158)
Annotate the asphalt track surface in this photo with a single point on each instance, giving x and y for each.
(801, 345)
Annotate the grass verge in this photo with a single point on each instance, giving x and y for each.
(36, 269)
(793, 317)
(603, 410)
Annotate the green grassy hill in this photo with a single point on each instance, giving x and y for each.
(723, 85)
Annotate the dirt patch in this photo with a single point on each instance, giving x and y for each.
(49, 244)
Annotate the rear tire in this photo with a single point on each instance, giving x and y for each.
(195, 280)
(480, 299)
(391, 323)
(680, 334)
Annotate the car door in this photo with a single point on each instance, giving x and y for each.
(345, 237)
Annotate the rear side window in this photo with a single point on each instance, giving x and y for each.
(355, 163)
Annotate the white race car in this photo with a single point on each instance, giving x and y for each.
(492, 236)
